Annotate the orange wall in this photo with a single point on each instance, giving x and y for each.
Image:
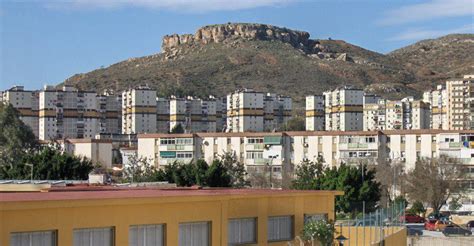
(64, 216)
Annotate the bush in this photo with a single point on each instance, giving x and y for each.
(320, 230)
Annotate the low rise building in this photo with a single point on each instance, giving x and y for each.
(82, 216)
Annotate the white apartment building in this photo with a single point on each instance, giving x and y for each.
(315, 113)
(110, 112)
(193, 114)
(68, 113)
(277, 110)
(139, 110)
(460, 110)
(162, 115)
(294, 147)
(396, 115)
(344, 109)
(438, 100)
(26, 102)
(286, 150)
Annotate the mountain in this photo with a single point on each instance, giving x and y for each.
(438, 59)
(218, 59)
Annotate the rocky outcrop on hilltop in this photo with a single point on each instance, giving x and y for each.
(243, 31)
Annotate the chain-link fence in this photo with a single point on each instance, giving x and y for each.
(371, 228)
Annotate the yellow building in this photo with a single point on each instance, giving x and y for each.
(124, 216)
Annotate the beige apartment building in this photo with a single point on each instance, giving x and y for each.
(251, 111)
(438, 100)
(139, 111)
(193, 114)
(67, 113)
(294, 147)
(344, 109)
(315, 113)
(460, 110)
(396, 115)
(26, 102)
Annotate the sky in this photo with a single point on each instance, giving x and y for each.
(47, 41)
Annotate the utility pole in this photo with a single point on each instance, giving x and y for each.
(31, 166)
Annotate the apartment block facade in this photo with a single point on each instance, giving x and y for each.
(193, 114)
(396, 115)
(460, 111)
(251, 111)
(438, 100)
(315, 120)
(344, 109)
(27, 103)
(139, 111)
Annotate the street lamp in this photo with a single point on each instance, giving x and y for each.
(341, 239)
(271, 168)
(30, 165)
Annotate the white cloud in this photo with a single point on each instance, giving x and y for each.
(418, 34)
(427, 11)
(173, 5)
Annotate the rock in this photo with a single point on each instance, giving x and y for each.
(231, 31)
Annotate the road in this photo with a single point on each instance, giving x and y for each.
(420, 226)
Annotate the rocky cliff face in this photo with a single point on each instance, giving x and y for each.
(233, 31)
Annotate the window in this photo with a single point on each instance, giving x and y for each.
(146, 235)
(254, 155)
(167, 141)
(185, 155)
(194, 234)
(403, 139)
(433, 139)
(254, 140)
(242, 231)
(94, 236)
(37, 238)
(280, 228)
(418, 154)
(184, 141)
(314, 217)
(418, 139)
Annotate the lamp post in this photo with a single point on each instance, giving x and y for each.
(30, 165)
(271, 168)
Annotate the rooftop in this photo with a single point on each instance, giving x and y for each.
(111, 192)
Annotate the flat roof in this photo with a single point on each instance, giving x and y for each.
(304, 133)
(100, 193)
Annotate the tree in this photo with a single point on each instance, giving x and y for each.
(417, 208)
(217, 175)
(295, 124)
(235, 169)
(320, 230)
(177, 129)
(358, 184)
(434, 180)
(307, 174)
(139, 170)
(16, 138)
(390, 175)
(50, 163)
(401, 200)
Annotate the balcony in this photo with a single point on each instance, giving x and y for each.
(258, 146)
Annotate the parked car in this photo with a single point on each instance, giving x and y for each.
(412, 218)
(435, 225)
(453, 229)
(470, 224)
(414, 232)
(442, 217)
